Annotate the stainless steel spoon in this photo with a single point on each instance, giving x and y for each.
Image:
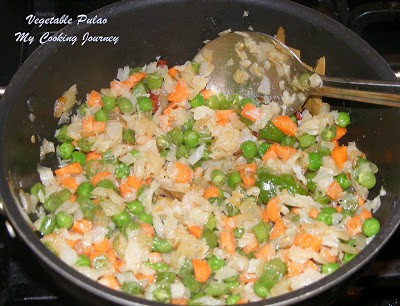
(258, 66)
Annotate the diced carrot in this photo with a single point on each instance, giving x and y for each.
(102, 245)
(202, 270)
(354, 225)
(334, 191)
(308, 241)
(339, 155)
(365, 214)
(284, 152)
(180, 93)
(326, 255)
(133, 79)
(155, 257)
(206, 93)
(74, 168)
(195, 230)
(223, 116)
(198, 172)
(211, 192)
(294, 268)
(360, 200)
(295, 210)
(227, 241)
(248, 278)
(72, 243)
(124, 189)
(252, 246)
(229, 223)
(150, 278)
(93, 155)
(134, 182)
(340, 132)
(251, 112)
(81, 226)
(273, 211)
(184, 173)
(247, 173)
(335, 143)
(69, 182)
(92, 127)
(266, 252)
(109, 281)
(313, 213)
(99, 176)
(270, 153)
(72, 198)
(94, 99)
(172, 72)
(179, 301)
(278, 230)
(339, 209)
(285, 124)
(148, 229)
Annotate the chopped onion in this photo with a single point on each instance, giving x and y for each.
(197, 154)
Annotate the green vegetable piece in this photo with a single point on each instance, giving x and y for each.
(343, 180)
(125, 105)
(224, 102)
(271, 132)
(93, 167)
(163, 142)
(260, 290)
(232, 299)
(216, 289)
(238, 232)
(329, 210)
(188, 125)
(245, 101)
(145, 104)
(347, 213)
(289, 141)
(85, 189)
(186, 268)
(311, 185)
(325, 217)
(154, 81)
(132, 226)
(139, 89)
(62, 134)
(343, 119)
(85, 145)
(35, 189)
(211, 223)
(218, 177)
(329, 133)
(161, 245)
(261, 232)
(63, 220)
(304, 80)
(122, 219)
(329, 268)
(347, 257)
(232, 210)
(47, 226)
(182, 151)
(306, 140)
(213, 102)
(101, 115)
(136, 207)
(191, 138)
(147, 218)
(366, 179)
(176, 136)
(197, 101)
(263, 148)
(371, 227)
(121, 171)
(160, 266)
(87, 206)
(135, 70)
(79, 157)
(82, 109)
(132, 288)
(83, 261)
(195, 67)
(165, 277)
(56, 199)
(249, 148)
(128, 136)
(162, 293)
(106, 183)
(314, 161)
(65, 150)
(109, 103)
(321, 199)
(274, 270)
(324, 151)
(234, 179)
(211, 238)
(100, 262)
(215, 263)
(191, 283)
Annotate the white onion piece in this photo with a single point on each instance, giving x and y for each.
(196, 155)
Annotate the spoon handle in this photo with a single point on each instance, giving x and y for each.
(375, 92)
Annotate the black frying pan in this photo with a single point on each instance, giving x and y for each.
(175, 29)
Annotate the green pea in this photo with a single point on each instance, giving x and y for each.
(186, 268)
(329, 268)
(93, 167)
(263, 148)
(136, 207)
(260, 290)
(134, 152)
(238, 232)
(371, 227)
(47, 226)
(224, 102)
(314, 161)
(215, 263)
(87, 206)
(234, 179)
(160, 266)
(132, 288)
(261, 232)
(83, 261)
(325, 217)
(343, 180)
(85, 145)
(122, 219)
(245, 101)
(324, 151)
(62, 134)
(329, 133)
(218, 177)
(145, 104)
(161, 245)
(35, 189)
(343, 119)
(121, 171)
(182, 151)
(289, 141)
(197, 101)
(191, 138)
(306, 140)
(366, 179)
(147, 218)
(63, 220)
(232, 299)
(347, 212)
(176, 136)
(56, 199)
(165, 277)
(163, 142)
(85, 189)
(139, 89)
(65, 150)
(79, 157)
(154, 81)
(101, 115)
(195, 67)
(347, 257)
(311, 185)
(191, 283)
(125, 105)
(132, 226)
(249, 149)
(109, 103)
(235, 99)
(106, 183)
(213, 102)
(188, 125)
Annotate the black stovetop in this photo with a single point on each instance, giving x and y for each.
(22, 280)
